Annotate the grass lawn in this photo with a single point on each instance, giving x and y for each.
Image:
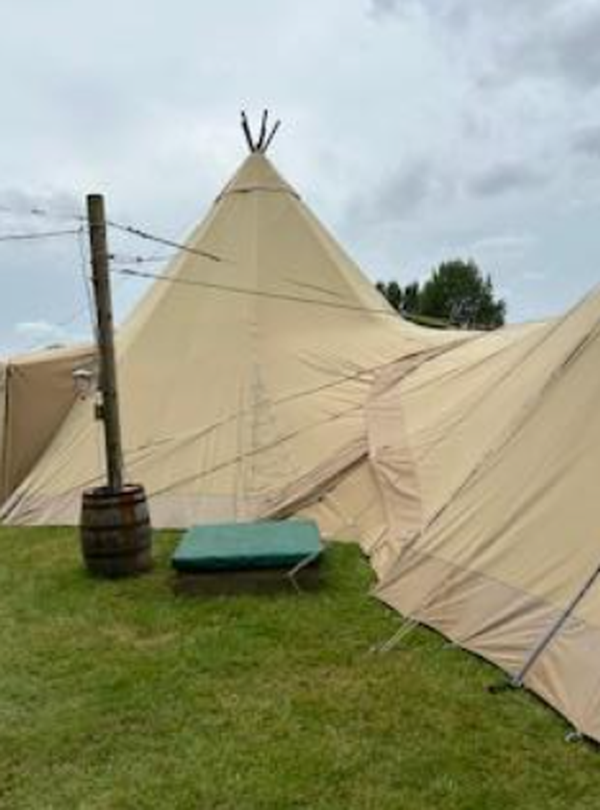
(120, 695)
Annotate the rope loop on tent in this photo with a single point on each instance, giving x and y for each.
(262, 143)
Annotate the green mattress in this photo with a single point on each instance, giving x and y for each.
(247, 546)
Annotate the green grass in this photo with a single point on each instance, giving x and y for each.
(120, 695)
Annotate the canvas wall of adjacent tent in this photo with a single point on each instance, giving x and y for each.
(488, 473)
(36, 393)
(243, 373)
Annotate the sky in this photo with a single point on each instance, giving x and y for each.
(416, 130)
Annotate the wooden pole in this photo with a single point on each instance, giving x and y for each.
(106, 350)
(247, 133)
(267, 143)
(263, 131)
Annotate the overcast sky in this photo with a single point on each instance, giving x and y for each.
(417, 130)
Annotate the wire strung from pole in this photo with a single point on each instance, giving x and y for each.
(63, 323)
(81, 310)
(130, 229)
(127, 271)
(38, 211)
(129, 259)
(33, 235)
(75, 315)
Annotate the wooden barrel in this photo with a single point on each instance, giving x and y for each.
(116, 536)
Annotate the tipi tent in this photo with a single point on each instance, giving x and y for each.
(243, 373)
(488, 468)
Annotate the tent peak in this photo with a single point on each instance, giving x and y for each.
(262, 143)
(257, 173)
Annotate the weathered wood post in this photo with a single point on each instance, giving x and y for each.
(106, 347)
(116, 534)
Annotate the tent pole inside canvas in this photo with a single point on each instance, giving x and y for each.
(518, 679)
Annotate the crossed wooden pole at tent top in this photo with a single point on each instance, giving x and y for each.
(264, 137)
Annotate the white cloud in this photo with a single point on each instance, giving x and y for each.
(35, 328)
(41, 333)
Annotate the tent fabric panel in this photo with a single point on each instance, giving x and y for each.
(503, 625)
(38, 393)
(460, 407)
(501, 554)
(528, 516)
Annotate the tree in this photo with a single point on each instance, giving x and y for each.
(392, 291)
(411, 297)
(458, 292)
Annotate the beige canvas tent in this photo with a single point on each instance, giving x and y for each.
(243, 373)
(488, 469)
(36, 393)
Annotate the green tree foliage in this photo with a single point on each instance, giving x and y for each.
(411, 297)
(392, 291)
(457, 293)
